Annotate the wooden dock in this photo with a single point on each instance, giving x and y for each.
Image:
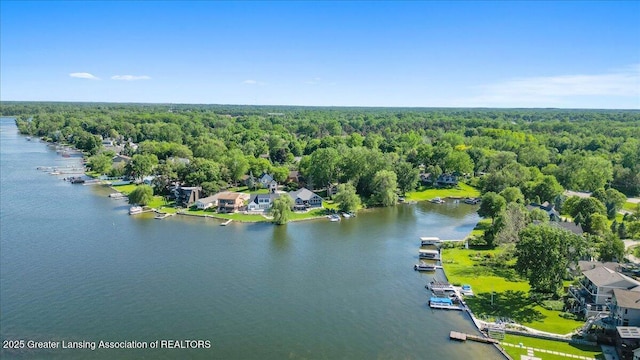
(161, 216)
(455, 335)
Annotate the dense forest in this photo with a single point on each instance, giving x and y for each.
(581, 150)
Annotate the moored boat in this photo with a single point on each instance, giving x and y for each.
(135, 210)
(430, 240)
(424, 267)
(437, 200)
(334, 217)
(429, 254)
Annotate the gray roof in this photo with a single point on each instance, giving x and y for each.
(208, 199)
(304, 194)
(574, 228)
(601, 276)
(584, 265)
(629, 299)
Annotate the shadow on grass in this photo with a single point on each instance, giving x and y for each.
(507, 273)
(514, 305)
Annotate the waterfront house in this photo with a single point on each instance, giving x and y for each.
(207, 202)
(231, 201)
(425, 179)
(261, 202)
(447, 180)
(305, 199)
(187, 196)
(212, 201)
(625, 307)
(595, 292)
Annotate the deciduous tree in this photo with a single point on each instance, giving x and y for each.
(544, 253)
(281, 209)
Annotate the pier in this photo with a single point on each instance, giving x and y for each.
(226, 222)
(458, 336)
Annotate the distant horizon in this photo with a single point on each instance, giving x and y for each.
(318, 106)
(423, 54)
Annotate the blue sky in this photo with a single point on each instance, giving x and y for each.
(432, 54)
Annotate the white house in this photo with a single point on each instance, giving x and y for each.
(261, 202)
(207, 202)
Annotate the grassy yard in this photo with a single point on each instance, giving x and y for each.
(462, 191)
(315, 213)
(481, 226)
(125, 189)
(550, 345)
(499, 292)
(629, 206)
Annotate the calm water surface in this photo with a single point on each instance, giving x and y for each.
(74, 266)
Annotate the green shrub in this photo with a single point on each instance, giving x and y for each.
(556, 305)
(567, 315)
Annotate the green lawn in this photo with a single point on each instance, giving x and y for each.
(481, 226)
(125, 189)
(558, 346)
(499, 292)
(462, 191)
(629, 206)
(315, 213)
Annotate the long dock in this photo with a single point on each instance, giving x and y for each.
(455, 335)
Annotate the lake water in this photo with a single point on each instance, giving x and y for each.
(74, 266)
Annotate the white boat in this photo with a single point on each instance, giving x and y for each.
(430, 240)
(466, 290)
(437, 200)
(116, 195)
(429, 254)
(135, 210)
(334, 217)
(424, 267)
(471, 201)
(347, 215)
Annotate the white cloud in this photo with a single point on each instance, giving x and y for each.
(253, 82)
(561, 90)
(130, 77)
(84, 75)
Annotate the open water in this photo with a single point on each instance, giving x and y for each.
(74, 266)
